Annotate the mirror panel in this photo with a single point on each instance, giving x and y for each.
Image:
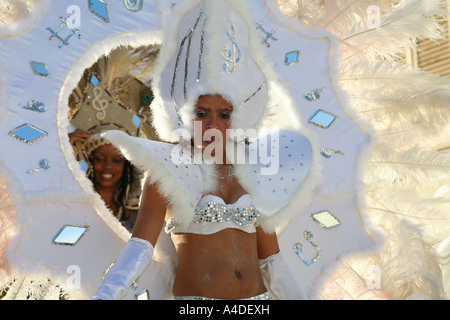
(322, 119)
(326, 220)
(28, 133)
(292, 57)
(69, 235)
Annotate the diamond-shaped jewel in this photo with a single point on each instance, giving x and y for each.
(99, 8)
(83, 165)
(136, 121)
(39, 69)
(94, 80)
(69, 235)
(325, 219)
(322, 119)
(28, 133)
(292, 57)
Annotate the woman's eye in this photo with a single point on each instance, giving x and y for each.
(225, 115)
(200, 114)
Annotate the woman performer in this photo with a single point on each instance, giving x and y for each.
(227, 248)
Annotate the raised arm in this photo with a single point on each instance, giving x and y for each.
(138, 252)
(151, 215)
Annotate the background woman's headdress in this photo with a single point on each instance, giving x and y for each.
(115, 94)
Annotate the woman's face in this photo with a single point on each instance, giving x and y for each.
(214, 112)
(108, 165)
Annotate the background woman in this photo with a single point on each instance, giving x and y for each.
(113, 177)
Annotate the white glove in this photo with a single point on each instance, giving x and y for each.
(278, 278)
(132, 262)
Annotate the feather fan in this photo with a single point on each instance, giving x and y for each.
(409, 110)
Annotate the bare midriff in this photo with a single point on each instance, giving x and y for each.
(223, 265)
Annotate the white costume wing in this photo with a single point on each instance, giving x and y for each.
(42, 59)
(172, 168)
(403, 179)
(319, 221)
(281, 175)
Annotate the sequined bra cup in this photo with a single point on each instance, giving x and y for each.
(212, 215)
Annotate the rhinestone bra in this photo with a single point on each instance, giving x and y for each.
(212, 211)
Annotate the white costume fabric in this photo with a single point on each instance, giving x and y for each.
(277, 276)
(132, 262)
(372, 187)
(230, 216)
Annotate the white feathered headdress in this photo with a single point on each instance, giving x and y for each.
(212, 48)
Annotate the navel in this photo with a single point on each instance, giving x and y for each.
(238, 274)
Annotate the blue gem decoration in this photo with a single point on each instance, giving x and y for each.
(327, 153)
(94, 80)
(99, 8)
(44, 164)
(34, 106)
(291, 57)
(136, 121)
(313, 95)
(28, 133)
(39, 69)
(63, 41)
(269, 35)
(322, 119)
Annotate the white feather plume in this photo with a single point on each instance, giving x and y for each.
(413, 168)
(409, 110)
(385, 96)
(363, 26)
